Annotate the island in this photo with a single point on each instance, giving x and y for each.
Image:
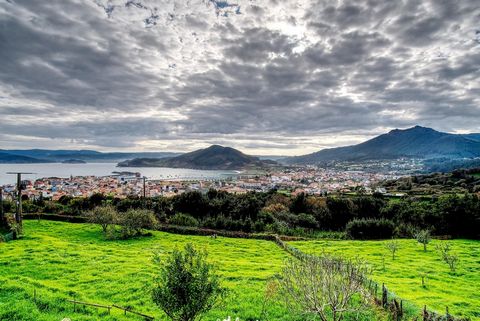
(74, 161)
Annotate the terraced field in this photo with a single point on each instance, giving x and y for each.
(459, 290)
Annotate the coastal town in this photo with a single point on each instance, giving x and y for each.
(310, 180)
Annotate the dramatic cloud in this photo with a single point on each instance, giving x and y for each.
(265, 76)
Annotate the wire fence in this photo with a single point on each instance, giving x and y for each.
(383, 297)
(78, 305)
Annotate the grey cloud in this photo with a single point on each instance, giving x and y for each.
(271, 75)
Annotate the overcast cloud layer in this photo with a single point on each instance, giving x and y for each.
(268, 77)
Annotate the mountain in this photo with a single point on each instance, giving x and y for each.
(7, 158)
(472, 136)
(415, 142)
(49, 156)
(213, 157)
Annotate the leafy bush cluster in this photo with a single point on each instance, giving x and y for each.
(364, 229)
(132, 222)
(362, 217)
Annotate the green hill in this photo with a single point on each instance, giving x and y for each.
(213, 157)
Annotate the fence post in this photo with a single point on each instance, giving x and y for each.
(384, 296)
(425, 313)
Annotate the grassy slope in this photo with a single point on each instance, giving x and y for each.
(459, 291)
(62, 259)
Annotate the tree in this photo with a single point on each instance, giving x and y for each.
(105, 216)
(393, 247)
(323, 285)
(299, 204)
(447, 256)
(423, 237)
(134, 221)
(186, 286)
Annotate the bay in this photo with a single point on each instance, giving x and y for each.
(105, 169)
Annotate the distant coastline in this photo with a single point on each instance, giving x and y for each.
(74, 161)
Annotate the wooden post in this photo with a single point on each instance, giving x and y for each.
(384, 295)
(425, 313)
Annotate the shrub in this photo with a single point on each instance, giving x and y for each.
(186, 285)
(370, 229)
(52, 207)
(134, 221)
(306, 220)
(181, 219)
(277, 227)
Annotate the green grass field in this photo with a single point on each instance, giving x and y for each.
(63, 260)
(459, 290)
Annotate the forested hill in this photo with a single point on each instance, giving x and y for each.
(415, 142)
(213, 157)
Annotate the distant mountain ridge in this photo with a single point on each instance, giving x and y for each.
(415, 142)
(213, 157)
(32, 156)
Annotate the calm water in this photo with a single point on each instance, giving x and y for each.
(103, 169)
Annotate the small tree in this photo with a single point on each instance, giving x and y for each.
(393, 247)
(186, 286)
(270, 293)
(134, 221)
(447, 256)
(105, 216)
(423, 237)
(324, 286)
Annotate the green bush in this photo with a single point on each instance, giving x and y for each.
(306, 220)
(133, 222)
(370, 229)
(182, 219)
(186, 286)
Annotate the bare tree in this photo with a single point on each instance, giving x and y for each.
(393, 247)
(447, 256)
(423, 237)
(323, 285)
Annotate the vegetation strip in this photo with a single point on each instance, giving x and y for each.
(395, 306)
(176, 229)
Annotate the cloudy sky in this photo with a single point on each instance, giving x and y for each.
(266, 76)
